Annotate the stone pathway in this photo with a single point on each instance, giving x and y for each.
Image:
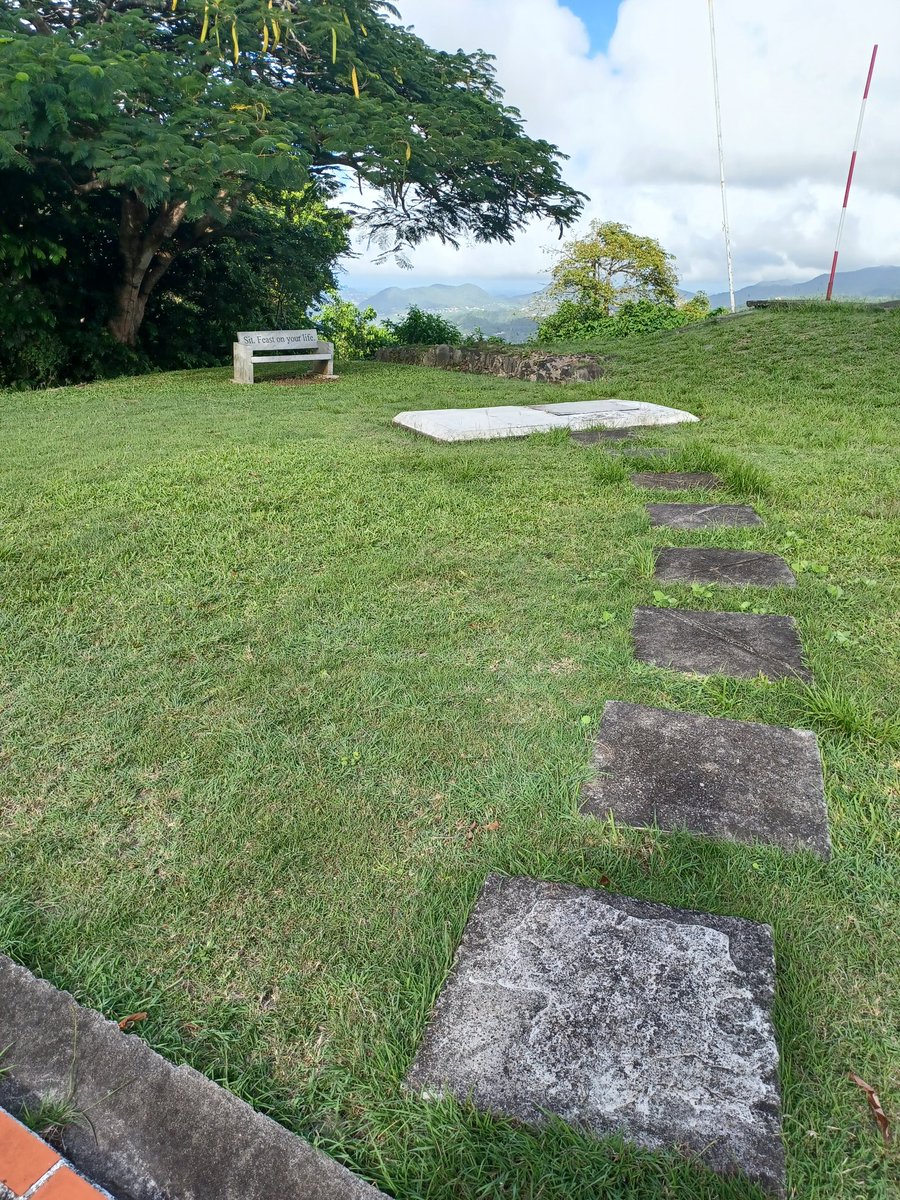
(708, 775)
(31, 1169)
(730, 568)
(677, 481)
(701, 516)
(623, 1016)
(618, 1015)
(719, 643)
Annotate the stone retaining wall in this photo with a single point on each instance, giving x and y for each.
(535, 366)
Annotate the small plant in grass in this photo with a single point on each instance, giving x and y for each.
(664, 600)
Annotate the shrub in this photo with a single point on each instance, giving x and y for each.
(354, 331)
(573, 321)
(419, 328)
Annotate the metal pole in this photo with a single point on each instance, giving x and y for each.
(725, 228)
(859, 125)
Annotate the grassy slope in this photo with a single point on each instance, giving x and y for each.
(274, 669)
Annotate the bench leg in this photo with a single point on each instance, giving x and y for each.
(243, 363)
(326, 367)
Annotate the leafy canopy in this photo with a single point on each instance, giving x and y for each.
(611, 266)
(193, 103)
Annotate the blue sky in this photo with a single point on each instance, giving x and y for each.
(600, 18)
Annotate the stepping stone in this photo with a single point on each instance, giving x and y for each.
(676, 481)
(724, 779)
(642, 451)
(734, 568)
(516, 420)
(719, 643)
(617, 1015)
(590, 437)
(701, 516)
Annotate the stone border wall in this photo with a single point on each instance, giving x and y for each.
(534, 366)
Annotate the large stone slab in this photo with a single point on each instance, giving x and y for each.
(676, 481)
(154, 1130)
(734, 568)
(617, 1015)
(701, 516)
(479, 424)
(719, 643)
(612, 414)
(721, 778)
(513, 420)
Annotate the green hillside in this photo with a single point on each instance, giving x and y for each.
(282, 683)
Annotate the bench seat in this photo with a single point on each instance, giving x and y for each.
(305, 341)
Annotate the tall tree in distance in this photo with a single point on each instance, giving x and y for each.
(610, 266)
(178, 110)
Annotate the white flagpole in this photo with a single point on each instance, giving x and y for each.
(725, 228)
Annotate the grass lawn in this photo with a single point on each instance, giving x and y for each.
(282, 683)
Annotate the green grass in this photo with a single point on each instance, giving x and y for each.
(273, 669)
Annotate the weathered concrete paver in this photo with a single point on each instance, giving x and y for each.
(590, 437)
(731, 568)
(618, 1015)
(719, 643)
(677, 481)
(721, 778)
(701, 516)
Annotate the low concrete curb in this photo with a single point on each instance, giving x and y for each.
(162, 1132)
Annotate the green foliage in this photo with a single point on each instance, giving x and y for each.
(420, 328)
(176, 114)
(355, 332)
(610, 266)
(266, 268)
(573, 320)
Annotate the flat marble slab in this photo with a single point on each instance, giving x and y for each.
(514, 420)
(617, 1015)
(612, 414)
(702, 516)
(743, 645)
(732, 568)
(724, 779)
(676, 481)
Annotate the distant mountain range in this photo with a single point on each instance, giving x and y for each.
(870, 283)
(470, 307)
(467, 305)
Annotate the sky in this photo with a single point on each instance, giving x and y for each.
(624, 87)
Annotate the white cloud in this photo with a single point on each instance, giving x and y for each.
(638, 124)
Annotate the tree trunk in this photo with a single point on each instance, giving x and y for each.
(145, 259)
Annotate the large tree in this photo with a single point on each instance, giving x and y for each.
(610, 266)
(179, 110)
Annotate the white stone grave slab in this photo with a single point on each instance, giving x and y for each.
(515, 420)
(615, 414)
(478, 424)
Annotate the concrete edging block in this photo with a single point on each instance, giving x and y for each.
(162, 1131)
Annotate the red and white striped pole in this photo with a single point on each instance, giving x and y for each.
(862, 113)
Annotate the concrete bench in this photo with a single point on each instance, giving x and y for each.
(256, 347)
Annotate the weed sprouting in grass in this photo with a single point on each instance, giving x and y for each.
(51, 1117)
